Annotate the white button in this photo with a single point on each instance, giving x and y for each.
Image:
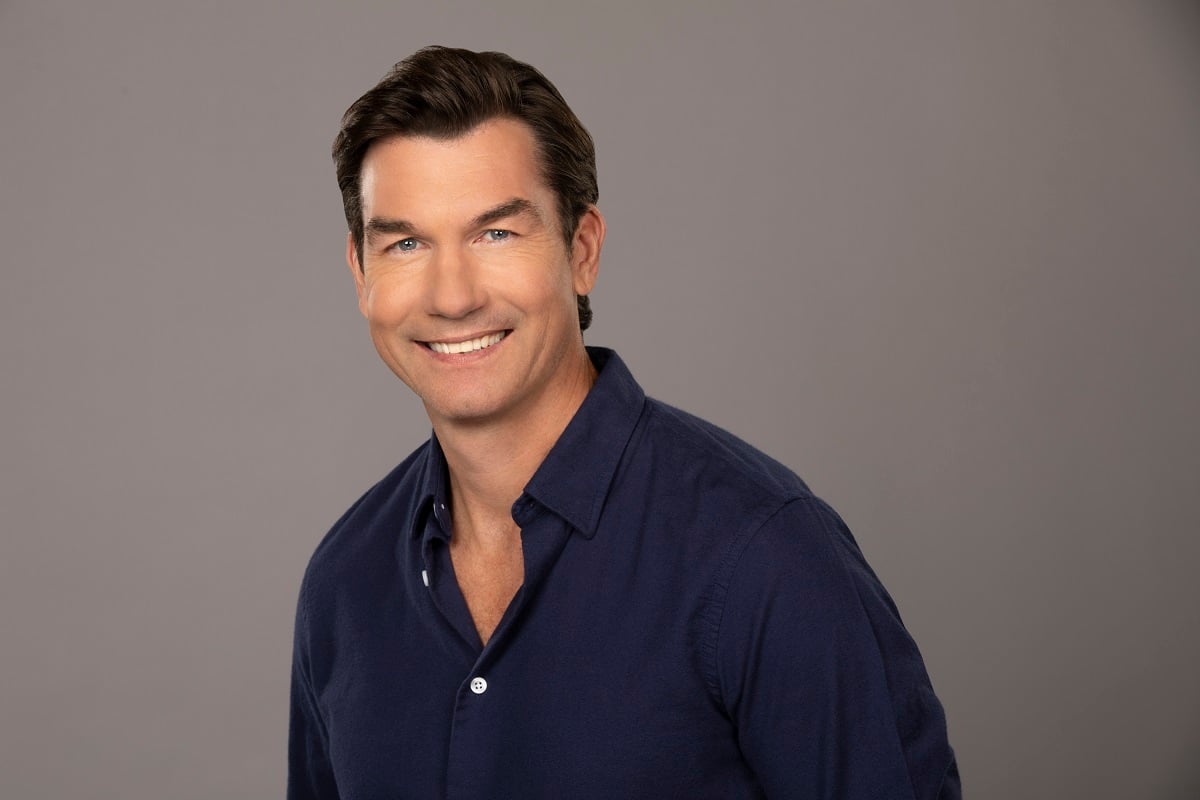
(478, 685)
(425, 577)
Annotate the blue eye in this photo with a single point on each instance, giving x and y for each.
(497, 235)
(405, 245)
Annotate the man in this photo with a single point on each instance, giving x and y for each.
(570, 590)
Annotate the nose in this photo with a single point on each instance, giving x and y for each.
(453, 287)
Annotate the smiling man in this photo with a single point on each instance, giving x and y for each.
(571, 590)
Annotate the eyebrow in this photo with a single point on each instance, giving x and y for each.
(517, 206)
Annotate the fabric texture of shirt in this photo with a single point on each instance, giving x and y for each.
(693, 623)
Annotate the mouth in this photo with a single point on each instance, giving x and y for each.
(466, 346)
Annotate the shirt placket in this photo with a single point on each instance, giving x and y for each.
(485, 698)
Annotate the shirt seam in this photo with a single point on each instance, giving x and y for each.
(820, 511)
(304, 658)
(719, 594)
(881, 663)
(305, 669)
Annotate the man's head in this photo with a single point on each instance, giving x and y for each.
(444, 93)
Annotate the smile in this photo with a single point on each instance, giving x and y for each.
(469, 346)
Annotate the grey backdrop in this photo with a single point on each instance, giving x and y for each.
(940, 257)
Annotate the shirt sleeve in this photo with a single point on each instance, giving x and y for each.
(828, 693)
(310, 775)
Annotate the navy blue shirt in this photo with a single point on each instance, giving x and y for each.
(693, 623)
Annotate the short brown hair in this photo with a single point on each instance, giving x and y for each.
(444, 93)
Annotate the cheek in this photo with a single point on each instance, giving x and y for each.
(544, 284)
(549, 299)
(386, 302)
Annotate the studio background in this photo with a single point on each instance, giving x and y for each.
(941, 258)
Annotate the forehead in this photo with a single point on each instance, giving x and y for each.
(419, 176)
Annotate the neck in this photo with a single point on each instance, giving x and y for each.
(490, 462)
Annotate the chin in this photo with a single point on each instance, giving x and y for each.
(464, 409)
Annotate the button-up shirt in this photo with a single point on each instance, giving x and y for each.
(693, 623)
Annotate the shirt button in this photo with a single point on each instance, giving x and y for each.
(478, 685)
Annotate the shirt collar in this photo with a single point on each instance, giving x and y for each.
(575, 476)
(432, 493)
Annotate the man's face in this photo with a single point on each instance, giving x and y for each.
(465, 280)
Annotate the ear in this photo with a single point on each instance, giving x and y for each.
(357, 271)
(585, 250)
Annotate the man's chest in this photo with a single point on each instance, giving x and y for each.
(595, 711)
(488, 583)
(591, 685)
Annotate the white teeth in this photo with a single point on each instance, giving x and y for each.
(468, 346)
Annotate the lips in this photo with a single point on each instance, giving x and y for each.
(468, 346)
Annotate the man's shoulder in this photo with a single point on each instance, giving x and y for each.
(691, 444)
(369, 527)
(674, 457)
